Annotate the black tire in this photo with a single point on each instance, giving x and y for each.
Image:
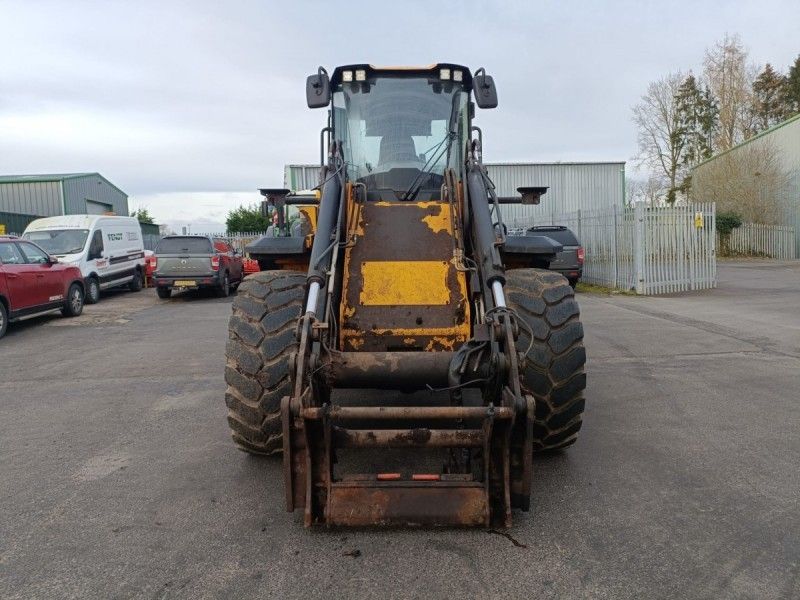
(224, 288)
(73, 305)
(573, 282)
(92, 291)
(136, 283)
(553, 371)
(261, 336)
(164, 292)
(3, 319)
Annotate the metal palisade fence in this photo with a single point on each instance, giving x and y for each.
(754, 239)
(650, 250)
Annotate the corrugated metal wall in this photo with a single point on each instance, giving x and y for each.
(573, 186)
(94, 188)
(15, 223)
(31, 198)
(300, 177)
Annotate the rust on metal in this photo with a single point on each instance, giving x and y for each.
(336, 413)
(408, 438)
(424, 504)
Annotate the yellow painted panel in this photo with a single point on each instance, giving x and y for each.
(408, 283)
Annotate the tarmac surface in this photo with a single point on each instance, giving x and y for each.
(118, 478)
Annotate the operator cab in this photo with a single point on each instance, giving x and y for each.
(399, 129)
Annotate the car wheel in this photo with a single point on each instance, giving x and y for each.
(163, 292)
(3, 319)
(224, 289)
(136, 283)
(92, 291)
(573, 281)
(73, 307)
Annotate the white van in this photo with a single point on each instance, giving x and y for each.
(108, 250)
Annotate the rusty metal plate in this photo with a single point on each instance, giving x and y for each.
(409, 504)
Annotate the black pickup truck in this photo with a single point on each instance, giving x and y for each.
(568, 262)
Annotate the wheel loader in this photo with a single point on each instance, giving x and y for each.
(399, 277)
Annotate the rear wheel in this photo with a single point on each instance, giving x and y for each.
(73, 306)
(3, 319)
(92, 291)
(260, 340)
(553, 372)
(224, 289)
(136, 283)
(163, 292)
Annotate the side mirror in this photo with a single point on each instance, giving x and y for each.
(318, 89)
(483, 89)
(52, 260)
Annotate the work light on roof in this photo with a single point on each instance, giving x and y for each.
(347, 76)
(361, 75)
(444, 74)
(458, 75)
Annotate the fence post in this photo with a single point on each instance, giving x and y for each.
(580, 228)
(638, 246)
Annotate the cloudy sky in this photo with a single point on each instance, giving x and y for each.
(190, 106)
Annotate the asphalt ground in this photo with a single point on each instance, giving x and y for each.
(118, 478)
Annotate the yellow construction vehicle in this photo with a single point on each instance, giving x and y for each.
(403, 278)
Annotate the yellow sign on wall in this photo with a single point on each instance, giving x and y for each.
(2, 228)
(698, 220)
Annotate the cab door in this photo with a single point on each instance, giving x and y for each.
(96, 256)
(49, 287)
(20, 278)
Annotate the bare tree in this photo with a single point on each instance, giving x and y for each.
(647, 190)
(750, 181)
(659, 137)
(730, 77)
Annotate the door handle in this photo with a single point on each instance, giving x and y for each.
(11, 276)
(39, 275)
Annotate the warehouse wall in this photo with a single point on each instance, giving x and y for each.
(15, 223)
(572, 186)
(785, 139)
(94, 188)
(31, 198)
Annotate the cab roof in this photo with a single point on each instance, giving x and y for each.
(430, 70)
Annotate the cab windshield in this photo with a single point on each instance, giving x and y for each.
(400, 133)
(59, 241)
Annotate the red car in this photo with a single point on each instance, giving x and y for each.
(33, 282)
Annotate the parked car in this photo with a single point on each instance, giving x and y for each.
(187, 262)
(108, 250)
(568, 262)
(33, 282)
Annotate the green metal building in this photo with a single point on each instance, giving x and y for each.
(24, 198)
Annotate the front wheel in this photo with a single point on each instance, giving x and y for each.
(73, 306)
(92, 291)
(553, 369)
(257, 358)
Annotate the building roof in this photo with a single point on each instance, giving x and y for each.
(45, 177)
(748, 140)
(41, 178)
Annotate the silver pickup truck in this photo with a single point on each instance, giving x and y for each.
(187, 262)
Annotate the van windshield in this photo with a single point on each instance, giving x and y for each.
(59, 241)
(184, 245)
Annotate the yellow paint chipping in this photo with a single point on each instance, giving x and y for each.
(408, 283)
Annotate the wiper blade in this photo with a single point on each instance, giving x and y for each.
(427, 168)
